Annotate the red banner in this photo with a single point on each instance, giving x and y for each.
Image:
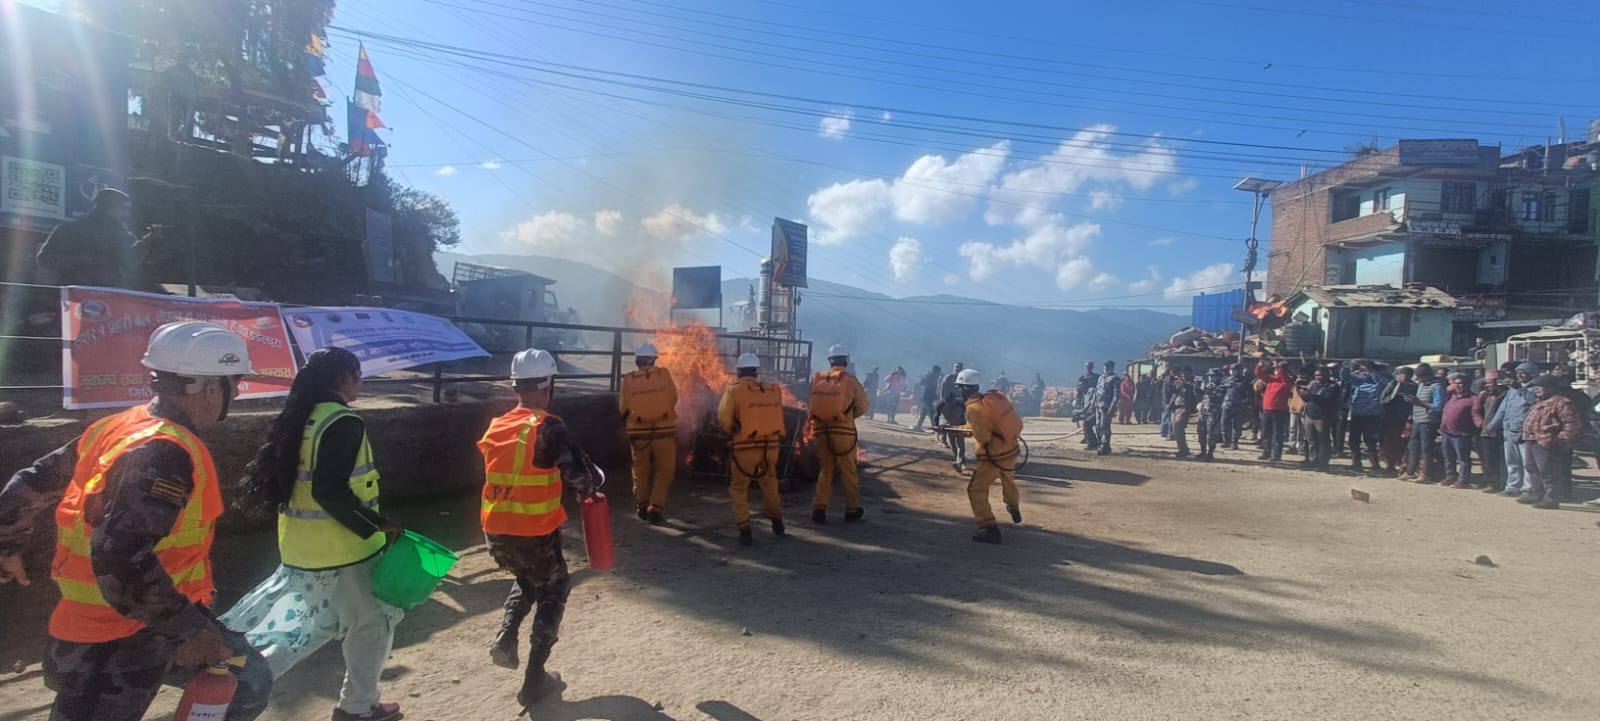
(104, 333)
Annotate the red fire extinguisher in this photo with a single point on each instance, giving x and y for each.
(596, 514)
(209, 692)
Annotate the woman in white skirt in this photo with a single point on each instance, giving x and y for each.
(317, 470)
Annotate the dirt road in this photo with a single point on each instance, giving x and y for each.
(1138, 587)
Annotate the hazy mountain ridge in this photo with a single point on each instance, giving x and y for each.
(879, 330)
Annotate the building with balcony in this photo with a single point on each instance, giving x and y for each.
(1512, 237)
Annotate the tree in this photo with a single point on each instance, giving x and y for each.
(426, 214)
(1364, 148)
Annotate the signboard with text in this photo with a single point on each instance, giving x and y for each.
(698, 287)
(788, 253)
(1450, 151)
(383, 339)
(104, 332)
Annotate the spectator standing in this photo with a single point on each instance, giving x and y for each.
(1144, 398)
(1548, 434)
(1396, 415)
(893, 388)
(1274, 407)
(928, 397)
(1235, 405)
(1458, 429)
(1182, 399)
(872, 384)
(1322, 402)
(1364, 387)
(1426, 405)
(1126, 399)
(1488, 392)
(1508, 420)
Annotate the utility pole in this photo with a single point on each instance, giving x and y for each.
(1260, 188)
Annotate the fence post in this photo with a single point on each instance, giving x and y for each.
(528, 338)
(616, 361)
(438, 381)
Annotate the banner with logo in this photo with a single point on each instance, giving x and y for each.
(383, 338)
(104, 332)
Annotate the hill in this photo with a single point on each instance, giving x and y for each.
(879, 330)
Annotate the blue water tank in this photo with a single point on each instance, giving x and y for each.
(1213, 312)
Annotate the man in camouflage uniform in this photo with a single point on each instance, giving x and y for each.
(141, 496)
(1236, 405)
(1213, 394)
(1106, 390)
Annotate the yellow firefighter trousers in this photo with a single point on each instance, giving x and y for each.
(978, 491)
(655, 462)
(845, 464)
(755, 460)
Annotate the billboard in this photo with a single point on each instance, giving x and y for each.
(104, 332)
(383, 339)
(1462, 151)
(788, 253)
(69, 138)
(697, 287)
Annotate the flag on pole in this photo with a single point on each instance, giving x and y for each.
(363, 136)
(368, 94)
(316, 50)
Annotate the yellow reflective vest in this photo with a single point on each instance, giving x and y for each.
(308, 537)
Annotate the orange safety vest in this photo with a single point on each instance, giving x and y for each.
(648, 395)
(758, 413)
(519, 498)
(83, 615)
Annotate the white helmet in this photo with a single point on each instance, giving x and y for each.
(838, 351)
(533, 363)
(646, 350)
(969, 377)
(748, 360)
(195, 348)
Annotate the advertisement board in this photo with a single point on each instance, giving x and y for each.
(383, 338)
(104, 332)
(697, 287)
(788, 253)
(1449, 151)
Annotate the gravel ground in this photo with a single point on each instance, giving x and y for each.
(1138, 587)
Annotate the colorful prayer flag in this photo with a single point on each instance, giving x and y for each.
(368, 94)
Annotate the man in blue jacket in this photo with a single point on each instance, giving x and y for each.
(1366, 408)
(1508, 420)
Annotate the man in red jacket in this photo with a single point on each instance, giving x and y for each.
(1274, 406)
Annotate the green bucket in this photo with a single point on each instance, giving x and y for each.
(410, 570)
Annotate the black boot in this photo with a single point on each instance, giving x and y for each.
(656, 517)
(537, 684)
(988, 535)
(854, 514)
(644, 513)
(1016, 514)
(819, 516)
(746, 538)
(777, 528)
(503, 652)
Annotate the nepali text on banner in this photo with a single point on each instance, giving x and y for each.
(384, 339)
(104, 332)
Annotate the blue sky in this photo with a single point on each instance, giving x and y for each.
(1072, 154)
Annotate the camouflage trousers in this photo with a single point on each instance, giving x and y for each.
(117, 680)
(541, 585)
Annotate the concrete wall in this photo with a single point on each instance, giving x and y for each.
(1352, 332)
(1379, 265)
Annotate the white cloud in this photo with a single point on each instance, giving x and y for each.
(748, 225)
(1102, 281)
(1026, 194)
(1182, 186)
(846, 210)
(905, 257)
(491, 165)
(1103, 200)
(1208, 279)
(952, 279)
(1163, 240)
(835, 124)
(550, 233)
(1151, 280)
(608, 222)
(934, 190)
(1052, 245)
(446, 171)
(887, 116)
(677, 223)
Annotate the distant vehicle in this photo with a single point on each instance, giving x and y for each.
(495, 293)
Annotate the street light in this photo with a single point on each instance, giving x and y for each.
(1260, 188)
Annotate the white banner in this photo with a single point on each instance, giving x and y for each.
(384, 339)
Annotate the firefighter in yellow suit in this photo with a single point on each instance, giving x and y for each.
(837, 400)
(996, 429)
(752, 413)
(648, 403)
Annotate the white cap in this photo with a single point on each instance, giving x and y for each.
(748, 360)
(533, 363)
(646, 350)
(837, 351)
(194, 348)
(969, 377)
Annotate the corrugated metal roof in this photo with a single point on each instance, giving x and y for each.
(1378, 296)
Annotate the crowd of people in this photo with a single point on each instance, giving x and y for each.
(1510, 430)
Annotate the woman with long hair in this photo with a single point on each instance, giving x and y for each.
(316, 472)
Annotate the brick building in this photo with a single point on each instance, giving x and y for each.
(1513, 237)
